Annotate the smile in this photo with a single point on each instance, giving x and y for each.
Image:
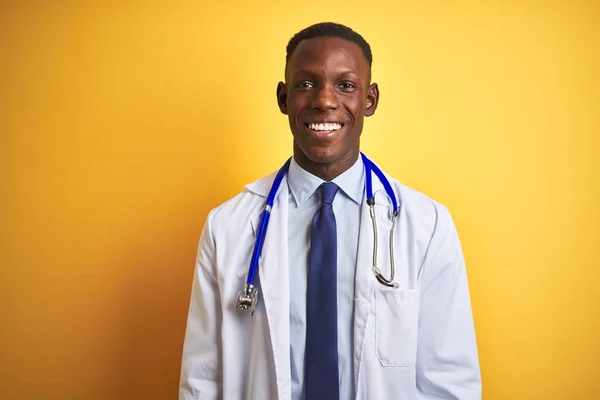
(325, 126)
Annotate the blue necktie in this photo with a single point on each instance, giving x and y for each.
(321, 355)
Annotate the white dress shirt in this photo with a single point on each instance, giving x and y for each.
(304, 202)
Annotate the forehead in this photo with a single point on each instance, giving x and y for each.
(325, 54)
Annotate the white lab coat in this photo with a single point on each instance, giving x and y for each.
(412, 343)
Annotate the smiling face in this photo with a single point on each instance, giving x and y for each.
(326, 96)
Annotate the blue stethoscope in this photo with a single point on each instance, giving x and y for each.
(247, 298)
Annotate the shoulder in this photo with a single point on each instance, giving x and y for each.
(236, 211)
(419, 209)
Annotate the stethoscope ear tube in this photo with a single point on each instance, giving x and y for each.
(371, 167)
(378, 275)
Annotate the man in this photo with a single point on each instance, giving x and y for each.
(324, 327)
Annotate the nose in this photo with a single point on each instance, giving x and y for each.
(325, 98)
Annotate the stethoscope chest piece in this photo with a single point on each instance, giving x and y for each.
(247, 298)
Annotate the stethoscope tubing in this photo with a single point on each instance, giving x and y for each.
(248, 297)
(268, 207)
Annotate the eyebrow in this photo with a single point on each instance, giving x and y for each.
(341, 73)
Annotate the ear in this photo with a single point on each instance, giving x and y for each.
(372, 100)
(282, 97)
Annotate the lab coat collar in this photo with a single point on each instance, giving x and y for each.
(262, 186)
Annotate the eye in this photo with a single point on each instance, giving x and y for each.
(304, 85)
(347, 86)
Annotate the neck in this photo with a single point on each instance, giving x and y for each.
(327, 170)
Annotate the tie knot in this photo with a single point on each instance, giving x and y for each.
(328, 191)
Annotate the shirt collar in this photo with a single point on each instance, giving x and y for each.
(303, 184)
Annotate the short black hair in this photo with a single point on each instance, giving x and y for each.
(329, 29)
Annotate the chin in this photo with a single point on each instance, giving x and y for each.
(322, 155)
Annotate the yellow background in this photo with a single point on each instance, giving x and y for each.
(123, 123)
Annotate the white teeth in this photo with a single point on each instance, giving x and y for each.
(327, 126)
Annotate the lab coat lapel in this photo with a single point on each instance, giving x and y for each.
(364, 278)
(274, 287)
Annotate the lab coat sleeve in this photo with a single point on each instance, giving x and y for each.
(447, 359)
(201, 362)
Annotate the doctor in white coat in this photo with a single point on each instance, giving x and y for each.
(414, 340)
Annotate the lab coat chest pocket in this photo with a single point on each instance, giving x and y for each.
(396, 326)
